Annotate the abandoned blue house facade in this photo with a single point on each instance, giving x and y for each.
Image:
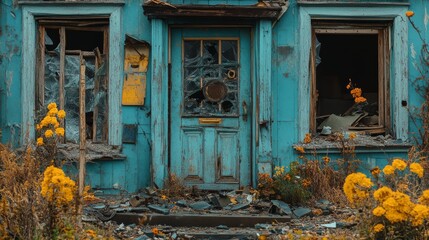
(214, 91)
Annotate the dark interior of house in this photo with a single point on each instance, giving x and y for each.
(342, 57)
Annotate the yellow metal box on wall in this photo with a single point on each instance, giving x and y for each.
(135, 67)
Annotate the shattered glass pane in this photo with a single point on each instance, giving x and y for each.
(210, 52)
(71, 97)
(52, 78)
(95, 98)
(100, 102)
(229, 51)
(202, 69)
(192, 52)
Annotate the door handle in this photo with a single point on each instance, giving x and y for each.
(244, 104)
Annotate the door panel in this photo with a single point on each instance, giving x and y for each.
(227, 166)
(210, 89)
(193, 143)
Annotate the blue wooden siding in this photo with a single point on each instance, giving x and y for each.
(276, 64)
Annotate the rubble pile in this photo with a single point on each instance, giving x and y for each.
(215, 215)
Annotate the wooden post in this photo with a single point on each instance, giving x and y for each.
(82, 137)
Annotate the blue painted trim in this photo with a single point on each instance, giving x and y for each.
(159, 102)
(399, 59)
(263, 78)
(116, 51)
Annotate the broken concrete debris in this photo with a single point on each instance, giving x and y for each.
(201, 205)
(280, 207)
(159, 209)
(218, 219)
(301, 212)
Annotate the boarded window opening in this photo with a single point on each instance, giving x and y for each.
(62, 48)
(345, 52)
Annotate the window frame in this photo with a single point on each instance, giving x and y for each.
(382, 30)
(219, 39)
(63, 25)
(398, 66)
(116, 51)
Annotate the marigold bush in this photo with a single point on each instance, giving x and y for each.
(397, 208)
(57, 187)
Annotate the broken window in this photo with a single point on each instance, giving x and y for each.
(347, 56)
(63, 45)
(211, 79)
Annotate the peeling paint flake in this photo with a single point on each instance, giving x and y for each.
(413, 51)
(426, 19)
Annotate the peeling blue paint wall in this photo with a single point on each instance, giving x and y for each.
(10, 72)
(135, 171)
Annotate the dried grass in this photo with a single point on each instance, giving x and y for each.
(23, 209)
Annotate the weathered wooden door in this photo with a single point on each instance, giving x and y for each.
(210, 100)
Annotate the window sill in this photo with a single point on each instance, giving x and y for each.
(94, 152)
(362, 144)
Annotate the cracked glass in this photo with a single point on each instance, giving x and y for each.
(210, 77)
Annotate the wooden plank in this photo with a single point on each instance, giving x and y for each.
(400, 77)
(62, 65)
(346, 31)
(200, 220)
(387, 77)
(115, 54)
(313, 88)
(263, 72)
(304, 74)
(159, 114)
(82, 135)
(41, 69)
(28, 76)
(382, 97)
(96, 89)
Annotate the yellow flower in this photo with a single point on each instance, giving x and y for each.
(379, 211)
(52, 112)
(356, 92)
(91, 233)
(278, 171)
(60, 131)
(61, 114)
(390, 203)
(300, 149)
(356, 187)
(56, 186)
(360, 100)
(52, 105)
(45, 121)
(352, 136)
(388, 170)
(39, 141)
(409, 13)
(382, 194)
(326, 159)
(38, 127)
(349, 85)
(424, 198)
(49, 133)
(378, 228)
(375, 171)
(419, 214)
(307, 138)
(417, 169)
(306, 182)
(399, 164)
